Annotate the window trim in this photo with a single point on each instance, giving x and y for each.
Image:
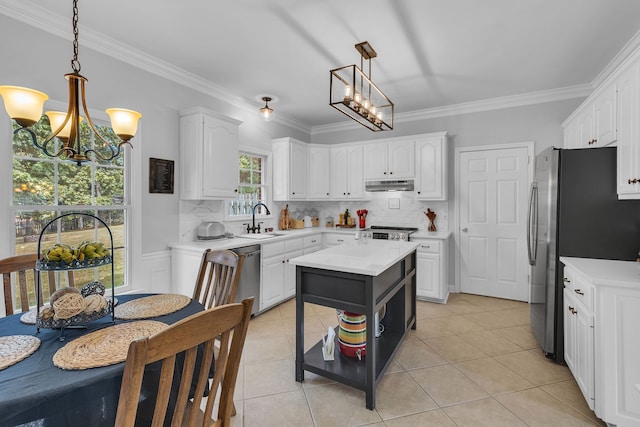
(267, 184)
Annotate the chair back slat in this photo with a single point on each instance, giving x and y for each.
(201, 329)
(23, 270)
(218, 278)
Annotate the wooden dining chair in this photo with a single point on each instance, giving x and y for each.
(23, 267)
(230, 321)
(218, 277)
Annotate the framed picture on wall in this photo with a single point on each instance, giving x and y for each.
(160, 176)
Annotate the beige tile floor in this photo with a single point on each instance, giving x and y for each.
(470, 362)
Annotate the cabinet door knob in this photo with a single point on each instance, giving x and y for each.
(566, 280)
(390, 173)
(464, 230)
(327, 194)
(578, 291)
(385, 173)
(633, 181)
(418, 192)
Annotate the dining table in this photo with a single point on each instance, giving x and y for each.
(36, 392)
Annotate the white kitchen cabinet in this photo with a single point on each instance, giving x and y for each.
(604, 116)
(278, 277)
(431, 167)
(319, 172)
(208, 155)
(347, 180)
(579, 333)
(334, 239)
(628, 143)
(570, 133)
(602, 349)
(585, 127)
(594, 123)
(184, 270)
(312, 243)
(290, 169)
(432, 269)
(389, 160)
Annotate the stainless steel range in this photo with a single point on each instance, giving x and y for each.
(388, 233)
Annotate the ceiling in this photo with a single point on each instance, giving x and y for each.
(431, 53)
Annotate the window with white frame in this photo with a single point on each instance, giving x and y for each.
(252, 186)
(46, 187)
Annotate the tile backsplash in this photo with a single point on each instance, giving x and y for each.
(385, 208)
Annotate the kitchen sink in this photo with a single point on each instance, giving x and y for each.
(259, 236)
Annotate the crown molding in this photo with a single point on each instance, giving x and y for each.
(579, 91)
(626, 52)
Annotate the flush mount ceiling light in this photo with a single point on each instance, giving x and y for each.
(25, 107)
(266, 111)
(352, 92)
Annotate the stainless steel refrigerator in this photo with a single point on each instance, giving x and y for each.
(573, 211)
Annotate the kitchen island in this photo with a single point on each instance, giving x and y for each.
(362, 277)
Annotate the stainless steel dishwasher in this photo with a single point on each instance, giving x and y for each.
(249, 284)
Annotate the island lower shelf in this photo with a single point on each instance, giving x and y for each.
(349, 370)
(394, 288)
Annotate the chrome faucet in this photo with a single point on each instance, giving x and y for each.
(253, 227)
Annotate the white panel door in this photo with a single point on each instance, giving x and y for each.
(493, 203)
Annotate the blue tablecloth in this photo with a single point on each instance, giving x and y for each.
(34, 390)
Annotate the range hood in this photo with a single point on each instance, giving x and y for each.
(389, 185)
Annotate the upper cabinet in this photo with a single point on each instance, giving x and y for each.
(431, 166)
(290, 169)
(604, 116)
(389, 160)
(594, 123)
(208, 155)
(628, 143)
(319, 172)
(347, 172)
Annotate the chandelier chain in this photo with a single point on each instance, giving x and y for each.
(75, 64)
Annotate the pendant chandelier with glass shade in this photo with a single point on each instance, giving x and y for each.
(266, 111)
(25, 107)
(353, 93)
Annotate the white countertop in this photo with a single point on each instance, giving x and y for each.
(430, 235)
(240, 241)
(606, 272)
(363, 256)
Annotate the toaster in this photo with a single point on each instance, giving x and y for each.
(210, 230)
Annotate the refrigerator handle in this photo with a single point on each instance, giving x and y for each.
(532, 224)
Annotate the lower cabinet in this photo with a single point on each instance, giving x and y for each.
(578, 344)
(333, 239)
(432, 269)
(601, 313)
(184, 270)
(278, 277)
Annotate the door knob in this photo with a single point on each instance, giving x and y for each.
(465, 229)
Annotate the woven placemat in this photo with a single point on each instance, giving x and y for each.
(15, 348)
(153, 306)
(29, 317)
(104, 347)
